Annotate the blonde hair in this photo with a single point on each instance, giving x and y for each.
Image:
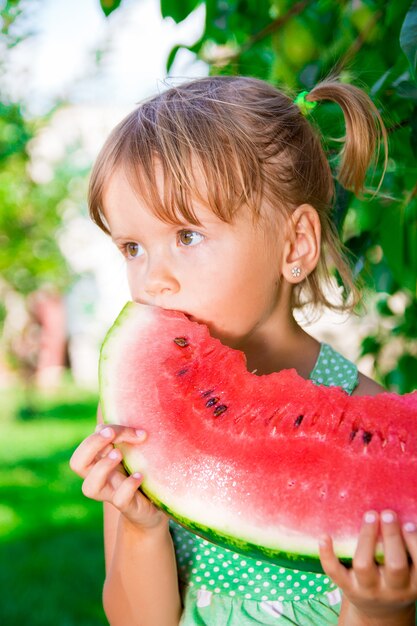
(253, 147)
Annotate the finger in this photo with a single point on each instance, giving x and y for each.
(363, 564)
(104, 452)
(86, 454)
(396, 570)
(124, 433)
(94, 485)
(98, 444)
(410, 538)
(123, 496)
(331, 564)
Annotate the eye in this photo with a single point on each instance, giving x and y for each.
(132, 249)
(189, 237)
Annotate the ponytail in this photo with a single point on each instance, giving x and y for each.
(365, 131)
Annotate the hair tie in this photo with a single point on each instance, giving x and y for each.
(304, 105)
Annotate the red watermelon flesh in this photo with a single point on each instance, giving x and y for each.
(262, 464)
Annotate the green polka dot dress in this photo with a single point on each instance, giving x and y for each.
(224, 588)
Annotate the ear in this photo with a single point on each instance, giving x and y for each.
(302, 245)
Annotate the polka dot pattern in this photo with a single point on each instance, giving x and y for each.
(333, 370)
(208, 570)
(232, 574)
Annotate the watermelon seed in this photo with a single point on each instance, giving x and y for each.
(182, 372)
(182, 342)
(207, 393)
(367, 437)
(212, 401)
(219, 410)
(353, 434)
(298, 421)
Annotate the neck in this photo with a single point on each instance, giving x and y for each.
(266, 354)
(280, 343)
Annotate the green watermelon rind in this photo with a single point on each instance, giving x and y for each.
(304, 562)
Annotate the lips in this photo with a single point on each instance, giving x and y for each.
(168, 308)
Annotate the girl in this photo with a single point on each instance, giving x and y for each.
(219, 195)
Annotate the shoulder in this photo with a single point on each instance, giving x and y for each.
(367, 386)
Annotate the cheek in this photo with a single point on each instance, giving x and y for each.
(132, 281)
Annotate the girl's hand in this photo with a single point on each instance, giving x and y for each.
(99, 463)
(377, 592)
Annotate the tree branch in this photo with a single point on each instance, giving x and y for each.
(358, 43)
(398, 125)
(268, 30)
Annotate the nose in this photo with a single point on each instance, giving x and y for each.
(160, 279)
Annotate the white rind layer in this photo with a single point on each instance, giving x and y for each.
(132, 322)
(204, 512)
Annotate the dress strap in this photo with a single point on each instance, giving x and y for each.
(334, 370)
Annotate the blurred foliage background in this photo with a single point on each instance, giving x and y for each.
(50, 547)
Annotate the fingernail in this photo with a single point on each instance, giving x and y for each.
(113, 454)
(369, 517)
(140, 433)
(106, 432)
(137, 475)
(409, 527)
(387, 516)
(323, 541)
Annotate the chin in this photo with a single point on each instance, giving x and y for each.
(227, 338)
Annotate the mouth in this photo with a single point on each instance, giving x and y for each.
(190, 317)
(166, 308)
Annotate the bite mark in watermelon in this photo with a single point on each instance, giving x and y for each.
(261, 464)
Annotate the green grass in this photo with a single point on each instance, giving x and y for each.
(51, 551)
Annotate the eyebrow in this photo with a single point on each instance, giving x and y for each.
(128, 236)
(120, 237)
(209, 221)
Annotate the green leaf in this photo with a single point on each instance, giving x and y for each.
(403, 378)
(383, 308)
(195, 48)
(407, 89)
(408, 38)
(171, 56)
(178, 10)
(382, 82)
(413, 135)
(370, 345)
(341, 206)
(398, 236)
(356, 248)
(109, 6)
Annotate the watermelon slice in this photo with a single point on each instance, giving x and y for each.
(260, 464)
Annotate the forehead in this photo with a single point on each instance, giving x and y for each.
(124, 196)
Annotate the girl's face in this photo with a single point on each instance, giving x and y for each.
(225, 275)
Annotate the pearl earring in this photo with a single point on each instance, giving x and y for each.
(296, 271)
